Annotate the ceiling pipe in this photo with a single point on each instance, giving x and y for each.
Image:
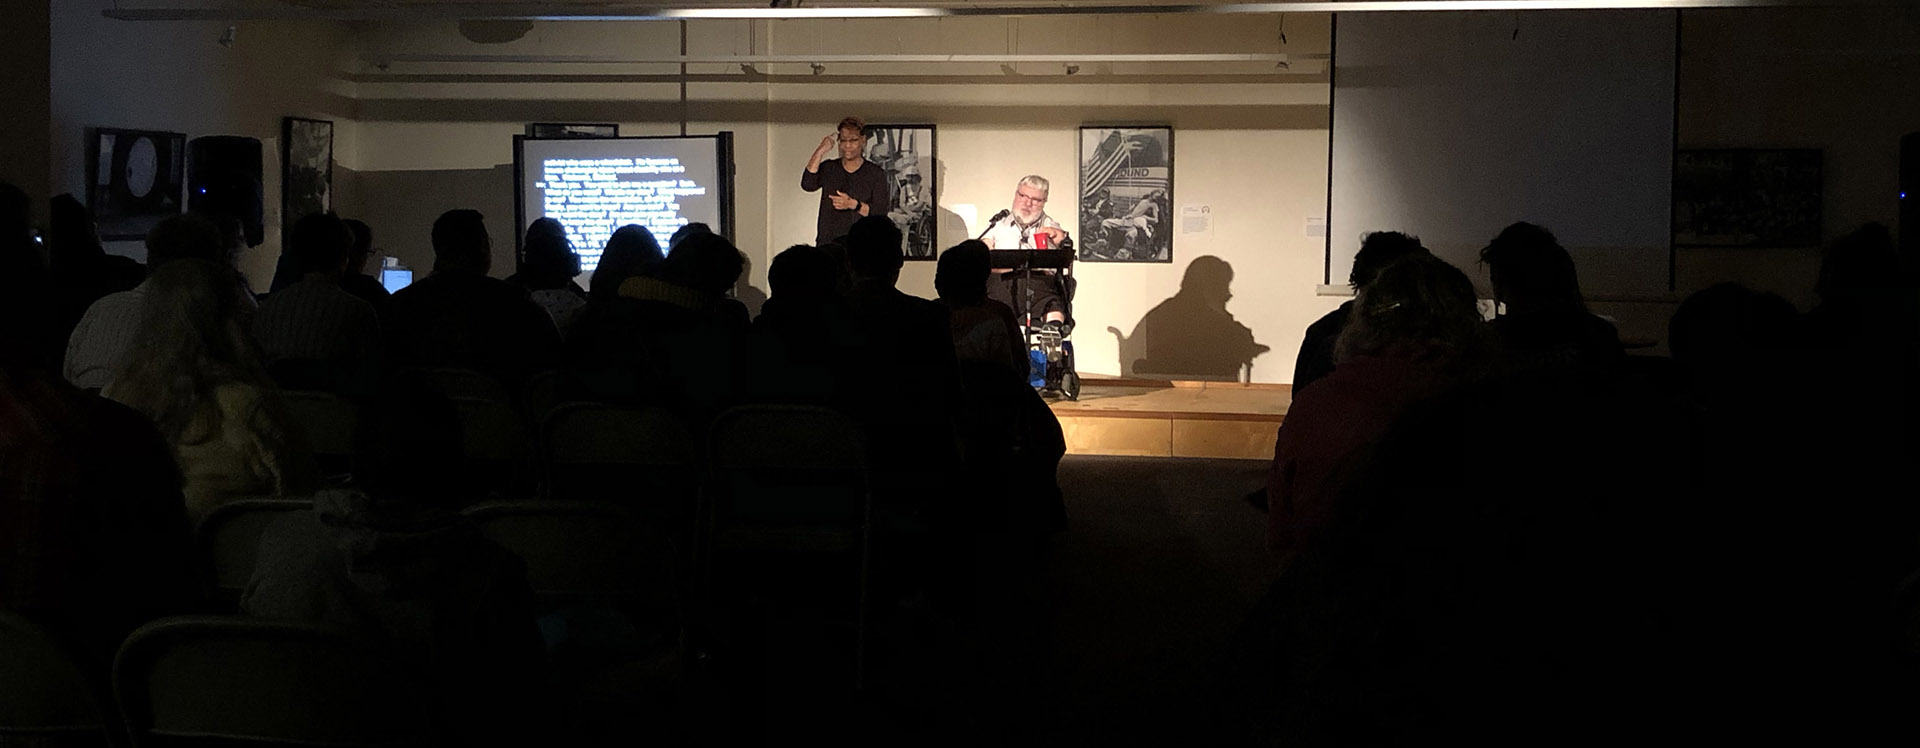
(627, 12)
(824, 59)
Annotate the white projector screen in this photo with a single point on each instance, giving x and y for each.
(1452, 125)
(597, 185)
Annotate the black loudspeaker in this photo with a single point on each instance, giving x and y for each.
(1910, 196)
(223, 177)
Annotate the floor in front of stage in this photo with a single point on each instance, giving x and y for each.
(1174, 419)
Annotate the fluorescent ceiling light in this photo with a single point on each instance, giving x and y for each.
(804, 13)
(619, 12)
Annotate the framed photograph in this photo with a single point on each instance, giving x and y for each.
(306, 169)
(138, 179)
(1126, 194)
(573, 130)
(1745, 197)
(907, 153)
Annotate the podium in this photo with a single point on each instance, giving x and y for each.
(1025, 261)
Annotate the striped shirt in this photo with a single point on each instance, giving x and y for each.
(103, 337)
(315, 320)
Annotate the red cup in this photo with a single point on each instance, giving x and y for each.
(1042, 239)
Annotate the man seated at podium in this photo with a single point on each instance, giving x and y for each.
(1029, 227)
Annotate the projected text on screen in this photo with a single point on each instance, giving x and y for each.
(594, 196)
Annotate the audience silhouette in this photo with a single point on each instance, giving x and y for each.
(457, 317)
(314, 334)
(1494, 532)
(548, 265)
(1377, 250)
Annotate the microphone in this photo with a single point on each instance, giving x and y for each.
(997, 217)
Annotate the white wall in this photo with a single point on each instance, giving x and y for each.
(1248, 143)
(417, 139)
(175, 76)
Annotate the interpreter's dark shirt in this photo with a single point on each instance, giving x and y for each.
(868, 184)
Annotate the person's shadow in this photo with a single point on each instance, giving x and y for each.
(1192, 335)
(743, 290)
(949, 228)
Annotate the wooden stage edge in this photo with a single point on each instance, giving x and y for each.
(1171, 418)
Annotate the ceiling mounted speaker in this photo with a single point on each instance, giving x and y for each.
(494, 32)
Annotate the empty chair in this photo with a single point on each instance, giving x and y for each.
(328, 421)
(44, 698)
(196, 679)
(642, 458)
(229, 541)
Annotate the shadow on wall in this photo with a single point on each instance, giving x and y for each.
(743, 289)
(950, 229)
(1192, 335)
(401, 207)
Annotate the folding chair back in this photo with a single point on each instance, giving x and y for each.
(582, 550)
(642, 458)
(229, 541)
(241, 681)
(328, 421)
(44, 698)
(787, 465)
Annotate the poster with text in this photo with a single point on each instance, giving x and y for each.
(1126, 194)
(906, 154)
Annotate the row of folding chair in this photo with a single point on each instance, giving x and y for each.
(776, 488)
(200, 680)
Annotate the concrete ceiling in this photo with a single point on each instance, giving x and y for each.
(629, 9)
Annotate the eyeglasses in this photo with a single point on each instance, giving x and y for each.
(1029, 198)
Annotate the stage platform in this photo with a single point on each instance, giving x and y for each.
(1146, 418)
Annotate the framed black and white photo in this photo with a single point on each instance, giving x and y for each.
(1126, 194)
(906, 153)
(1746, 197)
(306, 169)
(138, 179)
(573, 130)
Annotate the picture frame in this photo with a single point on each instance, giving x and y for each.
(306, 169)
(909, 155)
(1747, 197)
(1126, 194)
(136, 179)
(573, 130)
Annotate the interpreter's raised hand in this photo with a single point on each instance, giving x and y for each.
(843, 201)
(827, 144)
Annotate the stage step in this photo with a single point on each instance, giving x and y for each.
(1148, 418)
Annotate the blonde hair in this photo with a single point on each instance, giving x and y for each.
(189, 342)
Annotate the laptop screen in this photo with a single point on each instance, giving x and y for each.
(395, 279)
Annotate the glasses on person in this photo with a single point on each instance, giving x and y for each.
(1042, 200)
